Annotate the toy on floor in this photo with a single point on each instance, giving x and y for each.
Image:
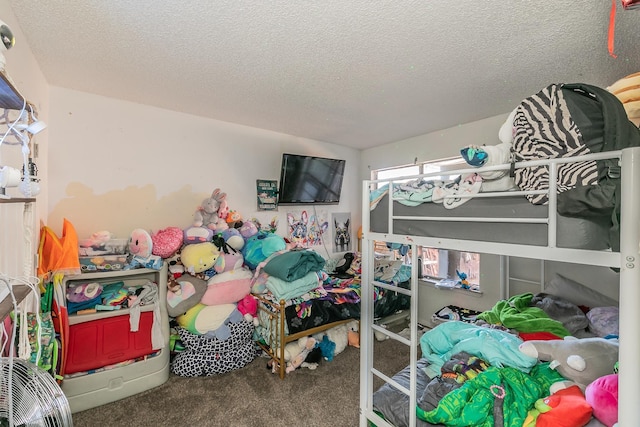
(327, 347)
(353, 333)
(338, 336)
(306, 344)
(207, 213)
(293, 350)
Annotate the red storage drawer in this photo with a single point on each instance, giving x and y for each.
(97, 343)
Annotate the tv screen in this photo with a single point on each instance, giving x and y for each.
(308, 179)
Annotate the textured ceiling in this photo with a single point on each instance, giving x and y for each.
(359, 73)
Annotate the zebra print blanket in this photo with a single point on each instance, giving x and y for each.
(543, 129)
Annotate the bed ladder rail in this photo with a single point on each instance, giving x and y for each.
(368, 329)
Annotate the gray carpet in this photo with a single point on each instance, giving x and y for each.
(253, 396)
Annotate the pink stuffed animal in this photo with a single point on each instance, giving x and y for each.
(248, 306)
(602, 395)
(140, 243)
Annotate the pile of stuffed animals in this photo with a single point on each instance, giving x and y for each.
(209, 282)
(308, 352)
(589, 366)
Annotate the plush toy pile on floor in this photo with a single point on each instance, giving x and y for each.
(211, 268)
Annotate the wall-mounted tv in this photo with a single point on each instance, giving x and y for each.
(308, 179)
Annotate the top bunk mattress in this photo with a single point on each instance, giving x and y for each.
(574, 233)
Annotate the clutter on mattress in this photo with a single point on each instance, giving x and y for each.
(522, 340)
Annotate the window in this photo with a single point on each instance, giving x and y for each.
(418, 169)
(437, 263)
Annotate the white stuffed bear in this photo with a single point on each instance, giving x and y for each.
(295, 354)
(305, 345)
(494, 155)
(338, 335)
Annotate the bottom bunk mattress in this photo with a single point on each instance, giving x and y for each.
(577, 233)
(393, 405)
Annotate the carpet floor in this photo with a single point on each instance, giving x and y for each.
(253, 396)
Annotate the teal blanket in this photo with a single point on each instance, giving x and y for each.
(293, 265)
(498, 348)
(284, 290)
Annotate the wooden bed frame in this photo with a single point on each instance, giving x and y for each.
(278, 339)
(627, 260)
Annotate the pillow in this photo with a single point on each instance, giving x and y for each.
(386, 269)
(188, 292)
(604, 321)
(228, 287)
(577, 293)
(167, 242)
(201, 318)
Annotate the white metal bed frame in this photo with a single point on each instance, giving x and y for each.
(627, 260)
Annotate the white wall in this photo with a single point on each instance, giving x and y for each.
(116, 165)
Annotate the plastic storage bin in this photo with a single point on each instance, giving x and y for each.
(107, 336)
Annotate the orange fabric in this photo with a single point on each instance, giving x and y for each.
(58, 254)
(612, 28)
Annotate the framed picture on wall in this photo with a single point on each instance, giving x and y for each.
(267, 194)
(341, 225)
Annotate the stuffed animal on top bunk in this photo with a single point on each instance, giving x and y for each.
(493, 155)
(627, 90)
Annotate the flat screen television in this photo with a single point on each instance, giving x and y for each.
(310, 180)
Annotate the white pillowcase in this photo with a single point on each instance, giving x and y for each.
(386, 269)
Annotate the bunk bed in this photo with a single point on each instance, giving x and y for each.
(539, 233)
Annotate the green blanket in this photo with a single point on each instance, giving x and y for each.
(293, 265)
(473, 403)
(517, 313)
